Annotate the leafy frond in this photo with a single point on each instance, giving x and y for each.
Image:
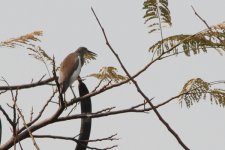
(89, 56)
(38, 53)
(22, 40)
(197, 43)
(196, 89)
(157, 10)
(108, 74)
(218, 95)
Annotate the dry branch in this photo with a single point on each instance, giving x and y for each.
(138, 88)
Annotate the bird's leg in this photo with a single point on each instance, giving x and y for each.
(73, 92)
(79, 78)
(74, 99)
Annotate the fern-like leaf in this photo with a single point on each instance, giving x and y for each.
(157, 10)
(218, 95)
(89, 56)
(22, 40)
(197, 43)
(108, 74)
(38, 53)
(196, 89)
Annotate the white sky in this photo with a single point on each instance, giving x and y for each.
(70, 24)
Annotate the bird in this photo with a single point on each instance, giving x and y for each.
(70, 68)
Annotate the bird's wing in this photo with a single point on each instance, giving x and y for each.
(67, 67)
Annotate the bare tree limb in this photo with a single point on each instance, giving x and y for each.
(40, 113)
(6, 116)
(24, 122)
(25, 86)
(138, 88)
(111, 138)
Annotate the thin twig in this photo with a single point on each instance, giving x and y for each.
(40, 113)
(25, 86)
(31, 114)
(57, 83)
(24, 122)
(210, 29)
(138, 88)
(77, 141)
(6, 116)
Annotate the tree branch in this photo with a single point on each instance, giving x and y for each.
(25, 86)
(210, 29)
(138, 88)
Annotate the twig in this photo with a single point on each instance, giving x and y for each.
(57, 83)
(40, 113)
(111, 138)
(210, 29)
(6, 115)
(14, 99)
(24, 122)
(74, 107)
(25, 86)
(138, 88)
(31, 114)
(160, 25)
(98, 85)
(105, 110)
(201, 18)
(42, 78)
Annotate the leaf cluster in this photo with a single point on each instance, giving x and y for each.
(196, 89)
(38, 53)
(157, 14)
(22, 40)
(108, 74)
(214, 38)
(89, 56)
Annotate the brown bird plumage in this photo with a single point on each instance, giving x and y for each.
(70, 68)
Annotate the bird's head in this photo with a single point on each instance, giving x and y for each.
(85, 53)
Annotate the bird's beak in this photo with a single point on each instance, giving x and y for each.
(92, 53)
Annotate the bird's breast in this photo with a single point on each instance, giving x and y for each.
(76, 72)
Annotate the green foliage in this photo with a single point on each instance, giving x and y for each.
(157, 14)
(108, 74)
(196, 89)
(200, 42)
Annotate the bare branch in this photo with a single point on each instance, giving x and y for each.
(24, 122)
(138, 88)
(210, 29)
(25, 86)
(111, 138)
(57, 83)
(6, 116)
(40, 113)
(31, 114)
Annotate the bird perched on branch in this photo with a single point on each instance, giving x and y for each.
(71, 66)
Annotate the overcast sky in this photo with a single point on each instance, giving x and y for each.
(69, 24)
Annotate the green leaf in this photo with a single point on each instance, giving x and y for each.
(193, 44)
(197, 89)
(157, 10)
(107, 74)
